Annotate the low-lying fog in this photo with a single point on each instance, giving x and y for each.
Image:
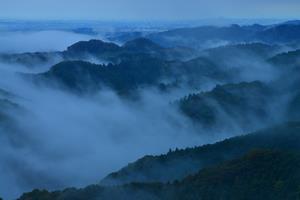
(19, 42)
(61, 140)
(64, 140)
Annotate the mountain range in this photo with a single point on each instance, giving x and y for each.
(239, 84)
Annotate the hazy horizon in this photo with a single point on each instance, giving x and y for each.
(142, 10)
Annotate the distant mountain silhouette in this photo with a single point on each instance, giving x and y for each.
(201, 37)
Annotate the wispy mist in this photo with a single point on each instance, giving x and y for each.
(19, 42)
(66, 140)
(58, 139)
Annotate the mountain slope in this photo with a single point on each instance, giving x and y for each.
(180, 163)
(206, 36)
(229, 105)
(92, 48)
(287, 60)
(281, 33)
(200, 36)
(130, 74)
(260, 175)
(254, 50)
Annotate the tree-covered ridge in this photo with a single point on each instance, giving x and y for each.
(241, 51)
(100, 51)
(197, 36)
(260, 174)
(128, 75)
(242, 103)
(114, 53)
(127, 66)
(281, 33)
(96, 48)
(173, 44)
(143, 45)
(201, 37)
(111, 52)
(242, 106)
(180, 163)
(287, 60)
(288, 65)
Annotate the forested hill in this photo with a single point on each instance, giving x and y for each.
(180, 163)
(260, 174)
(201, 37)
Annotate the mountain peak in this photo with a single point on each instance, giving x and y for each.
(141, 44)
(93, 47)
(292, 22)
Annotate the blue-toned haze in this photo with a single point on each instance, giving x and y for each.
(148, 10)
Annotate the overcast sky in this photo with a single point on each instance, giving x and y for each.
(148, 9)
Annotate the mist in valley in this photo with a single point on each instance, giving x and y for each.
(38, 41)
(59, 139)
(55, 138)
